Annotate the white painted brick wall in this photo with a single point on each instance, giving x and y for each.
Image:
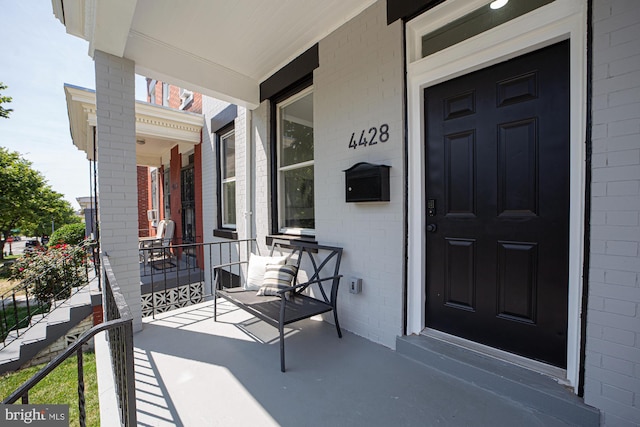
(210, 108)
(117, 177)
(612, 372)
(358, 85)
(262, 197)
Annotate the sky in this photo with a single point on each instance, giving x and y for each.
(37, 57)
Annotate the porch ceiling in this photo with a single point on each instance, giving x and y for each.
(219, 48)
(158, 129)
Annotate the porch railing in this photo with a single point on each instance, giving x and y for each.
(119, 326)
(176, 276)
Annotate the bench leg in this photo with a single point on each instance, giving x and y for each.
(215, 306)
(335, 318)
(281, 328)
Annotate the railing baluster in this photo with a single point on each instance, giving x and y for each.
(15, 315)
(81, 402)
(25, 398)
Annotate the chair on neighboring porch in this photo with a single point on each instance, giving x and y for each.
(158, 246)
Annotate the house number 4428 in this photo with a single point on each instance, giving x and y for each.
(371, 137)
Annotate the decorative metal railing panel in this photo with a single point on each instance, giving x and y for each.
(175, 276)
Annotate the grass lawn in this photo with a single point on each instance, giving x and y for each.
(60, 387)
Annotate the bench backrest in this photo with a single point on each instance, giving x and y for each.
(320, 264)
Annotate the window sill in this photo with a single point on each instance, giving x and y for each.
(225, 233)
(290, 238)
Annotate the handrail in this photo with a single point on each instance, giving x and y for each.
(23, 390)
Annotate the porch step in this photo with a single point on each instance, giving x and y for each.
(56, 324)
(521, 385)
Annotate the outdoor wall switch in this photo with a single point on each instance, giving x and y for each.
(355, 285)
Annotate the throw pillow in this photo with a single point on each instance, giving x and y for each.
(257, 265)
(277, 277)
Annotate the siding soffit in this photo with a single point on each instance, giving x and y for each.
(259, 38)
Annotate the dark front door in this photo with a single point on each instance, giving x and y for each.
(498, 205)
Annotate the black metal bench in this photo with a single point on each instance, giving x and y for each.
(322, 268)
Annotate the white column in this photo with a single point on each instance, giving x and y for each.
(117, 179)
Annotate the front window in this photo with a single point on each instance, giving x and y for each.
(227, 159)
(295, 164)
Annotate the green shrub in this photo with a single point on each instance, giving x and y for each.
(70, 234)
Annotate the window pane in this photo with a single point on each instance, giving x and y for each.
(229, 203)
(474, 23)
(298, 198)
(229, 156)
(296, 131)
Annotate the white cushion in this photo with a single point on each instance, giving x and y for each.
(257, 267)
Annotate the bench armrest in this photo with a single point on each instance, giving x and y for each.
(302, 286)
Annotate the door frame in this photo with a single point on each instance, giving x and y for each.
(557, 21)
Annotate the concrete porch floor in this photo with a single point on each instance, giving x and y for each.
(192, 371)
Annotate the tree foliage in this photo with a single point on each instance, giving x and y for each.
(4, 112)
(70, 234)
(27, 201)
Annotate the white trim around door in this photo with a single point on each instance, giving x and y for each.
(559, 20)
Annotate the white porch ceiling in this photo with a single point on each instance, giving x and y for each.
(221, 48)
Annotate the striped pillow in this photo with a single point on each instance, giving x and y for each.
(277, 277)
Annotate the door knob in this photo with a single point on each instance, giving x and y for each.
(431, 228)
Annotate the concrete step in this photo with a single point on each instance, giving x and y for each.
(57, 322)
(524, 386)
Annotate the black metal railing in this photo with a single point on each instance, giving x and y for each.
(119, 326)
(120, 345)
(175, 276)
(23, 306)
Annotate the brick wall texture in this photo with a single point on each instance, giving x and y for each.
(612, 371)
(117, 173)
(359, 85)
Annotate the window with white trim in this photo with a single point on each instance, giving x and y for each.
(295, 164)
(227, 178)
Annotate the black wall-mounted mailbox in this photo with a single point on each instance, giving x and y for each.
(366, 182)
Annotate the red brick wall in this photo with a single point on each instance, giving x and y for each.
(97, 314)
(196, 105)
(174, 97)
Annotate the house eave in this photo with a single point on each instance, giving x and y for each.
(157, 128)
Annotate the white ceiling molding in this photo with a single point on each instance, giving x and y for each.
(160, 128)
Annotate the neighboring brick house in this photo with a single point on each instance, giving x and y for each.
(512, 137)
(152, 190)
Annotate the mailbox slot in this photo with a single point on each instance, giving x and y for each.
(366, 182)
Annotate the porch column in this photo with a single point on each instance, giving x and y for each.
(117, 173)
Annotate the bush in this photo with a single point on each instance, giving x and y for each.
(70, 234)
(50, 274)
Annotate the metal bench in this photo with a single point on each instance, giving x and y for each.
(321, 268)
